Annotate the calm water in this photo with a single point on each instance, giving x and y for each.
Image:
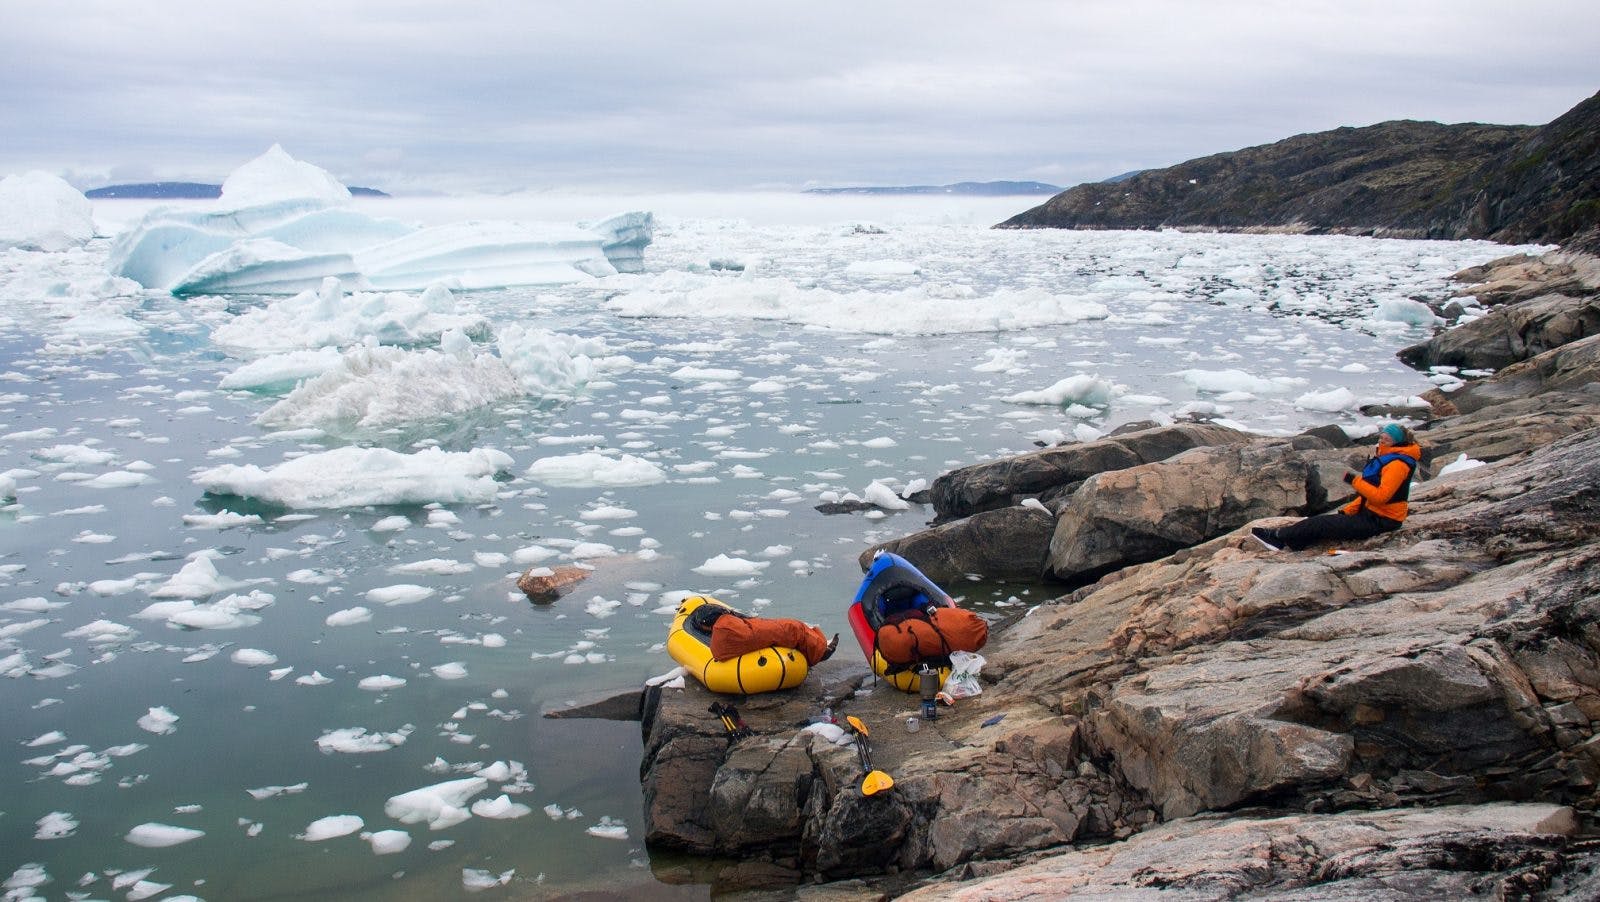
(812, 407)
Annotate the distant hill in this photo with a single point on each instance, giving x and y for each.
(1513, 183)
(184, 191)
(988, 189)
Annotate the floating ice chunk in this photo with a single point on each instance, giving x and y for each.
(224, 519)
(440, 806)
(388, 842)
(334, 825)
(433, 566)
(267, 792)
(475, 880)
(881, 495)
(55, 825)
(357, 741)
(501, 808)
(352, 477)
(609, 828)
(118, 479)
(160, 720)
(375, 387)
(197, 579)
(160, 836)
(477, 255)
(403, 593)
(327, 317)
(454, 670)
(253, 657)
(348, 617)
(1406, 311)
(723, 565)
(8, 488)
(1331, 401)
(41, 212)
(145, 889)
(593, 469)
(1080, 389)
(50, 738)
(75, 455)
(1460, 464)
(1219, 381)
(103, 632)
(380, 683)
(393, 523)
(555, 365)
(314, 678)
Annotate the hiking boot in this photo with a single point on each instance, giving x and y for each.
(1268, 538)
(833, 645)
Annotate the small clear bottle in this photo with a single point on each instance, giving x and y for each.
(913, 724)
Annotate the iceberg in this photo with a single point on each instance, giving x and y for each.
(328, 317)
(40, 212)
(282, 226)
(354, 477)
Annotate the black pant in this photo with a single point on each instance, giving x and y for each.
(1325, 527)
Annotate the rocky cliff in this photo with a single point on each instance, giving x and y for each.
(1394, 179)
(1412, 716)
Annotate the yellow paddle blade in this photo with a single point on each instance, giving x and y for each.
(876, 782)
(856, 723)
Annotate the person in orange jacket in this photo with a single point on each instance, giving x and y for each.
(1382, 489)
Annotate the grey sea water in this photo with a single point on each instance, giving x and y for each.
(779, 360)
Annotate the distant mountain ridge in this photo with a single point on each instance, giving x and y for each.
(988, 189)
(185, 191)
(1403, 179)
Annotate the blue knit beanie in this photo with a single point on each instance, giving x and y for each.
(1395, 432)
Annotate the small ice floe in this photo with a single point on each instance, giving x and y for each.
(50, 738)
(432, 567)
(224, 519)
(440, 806)
(1223, 381)
(592, 469)
(396, 595)
(225, 613)
(393, 523)
(500, 808)
(884, 497)
(355, 477)
(160, 721)
(253, 657)
(475, 880)
(388, 842)
(357, 741)
(723, 565)
(1460, 464)
(314, 678)
(1083, 389)
(160, 836)
(330, 827)
(1331, 401)
(609, 828)
(348, 616)
(55, 825)
(380, 683)
(454, 670)
(267, 792)
(197, 579)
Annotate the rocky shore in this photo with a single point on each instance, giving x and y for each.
(1412, 716)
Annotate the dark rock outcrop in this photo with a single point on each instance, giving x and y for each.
(1395, 179)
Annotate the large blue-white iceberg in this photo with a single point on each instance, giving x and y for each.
(283, 225)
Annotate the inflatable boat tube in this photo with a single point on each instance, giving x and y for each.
(765, 670)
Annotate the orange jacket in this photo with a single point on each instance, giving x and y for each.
(1387, 496)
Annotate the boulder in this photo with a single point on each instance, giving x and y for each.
(543, 585)
(1008, 543)
(1052, 472)
(1146, 512)
(1510, 334)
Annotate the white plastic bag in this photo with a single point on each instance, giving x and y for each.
(963, 679)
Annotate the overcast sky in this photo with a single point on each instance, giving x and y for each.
(507, 94)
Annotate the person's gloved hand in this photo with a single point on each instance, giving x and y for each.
(1349, 477)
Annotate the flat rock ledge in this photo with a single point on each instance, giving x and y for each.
(1412, 716)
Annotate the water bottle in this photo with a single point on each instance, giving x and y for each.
(928, 683)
